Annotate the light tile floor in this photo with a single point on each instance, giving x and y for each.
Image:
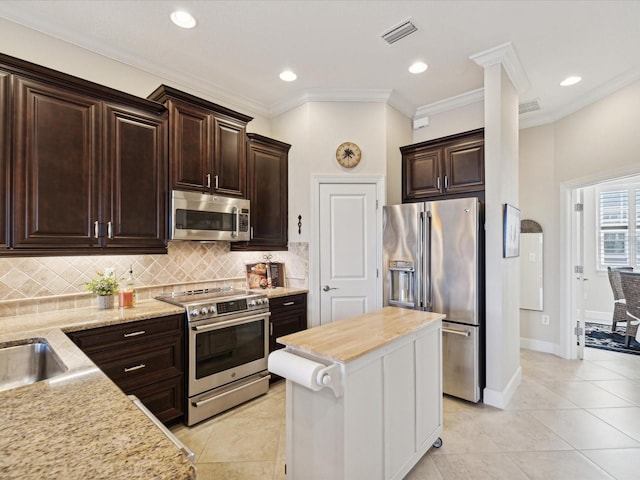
(569, 419)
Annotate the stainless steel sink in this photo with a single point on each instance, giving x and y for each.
(27, 363)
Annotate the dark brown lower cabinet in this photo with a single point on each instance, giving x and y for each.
(288, 315)
(144, 358)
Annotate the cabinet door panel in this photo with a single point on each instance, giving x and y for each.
(190, 147)
(56, 166)
(135, 180)
(268, 174)
(229, 158)
(164, 399)
(4, 160)
(421, 171)
(464, 167)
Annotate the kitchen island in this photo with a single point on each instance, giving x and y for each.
(80, 424)
(371, 404)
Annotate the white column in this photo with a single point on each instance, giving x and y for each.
(503, 79)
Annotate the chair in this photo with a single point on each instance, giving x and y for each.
(631, 289)
(619, 307)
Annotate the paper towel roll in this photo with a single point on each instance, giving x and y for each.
(295, 368)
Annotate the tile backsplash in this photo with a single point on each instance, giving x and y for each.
(33, 284)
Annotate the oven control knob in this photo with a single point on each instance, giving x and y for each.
(212, 309)
(252, 303)
(259, 301)
(204, 311)
(194, 312)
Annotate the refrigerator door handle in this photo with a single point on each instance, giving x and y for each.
(462, 333)
(426, 265)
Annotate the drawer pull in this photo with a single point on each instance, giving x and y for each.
(137, 367)
(286, 304)
(134, 334)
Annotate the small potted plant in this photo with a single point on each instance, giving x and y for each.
(105, 287)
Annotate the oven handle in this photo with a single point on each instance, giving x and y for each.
(218, 397)
(229, 323)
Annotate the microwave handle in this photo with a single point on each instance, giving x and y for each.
(237, 232)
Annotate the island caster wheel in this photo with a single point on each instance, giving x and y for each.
(437, 443)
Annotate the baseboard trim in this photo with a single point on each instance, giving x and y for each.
(540, 346)
(500, 399)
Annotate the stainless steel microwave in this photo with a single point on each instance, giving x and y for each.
(204, 217)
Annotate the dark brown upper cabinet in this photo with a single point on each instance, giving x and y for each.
(5, 135)
(88, 166)
(267, 189)
(206, 144)
(135, 179)
(445, 167)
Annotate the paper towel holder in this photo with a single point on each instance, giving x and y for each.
(330, 377)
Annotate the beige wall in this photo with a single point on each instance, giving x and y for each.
(450, 122)
(399, 134)
(539, 200)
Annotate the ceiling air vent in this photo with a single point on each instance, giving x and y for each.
(530, 106)
(398, 32)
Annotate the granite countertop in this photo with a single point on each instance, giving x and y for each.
(344, 341)
(80, 424)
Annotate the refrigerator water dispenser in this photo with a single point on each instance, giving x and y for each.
(401, 273)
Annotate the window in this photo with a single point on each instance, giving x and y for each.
(618, 221)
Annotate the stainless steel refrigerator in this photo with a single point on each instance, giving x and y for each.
(432, 261)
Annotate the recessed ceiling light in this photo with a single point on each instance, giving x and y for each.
(183, 19)
(288, 76)
(570, 81)
(418, 67)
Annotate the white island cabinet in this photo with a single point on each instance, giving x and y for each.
(363, 395)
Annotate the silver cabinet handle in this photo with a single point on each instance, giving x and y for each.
(208, 180)
(286, 304)
(137, 367)
(326, 288)
(270, 329)
(446, 182)
(462, 333)
(110, 229)
(438, 184)
(216, 179)
(134, 334)
(96, 229)
(251, 233)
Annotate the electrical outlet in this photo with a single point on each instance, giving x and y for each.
(545, 319)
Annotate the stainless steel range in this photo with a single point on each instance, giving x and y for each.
(227, 345)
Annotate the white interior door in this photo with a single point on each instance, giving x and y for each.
(348, 250)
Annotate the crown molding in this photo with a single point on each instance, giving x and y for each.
(345, 96)
(467, 98)
(506, 55)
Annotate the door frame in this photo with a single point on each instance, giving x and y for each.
(568, 237)
(314, 244)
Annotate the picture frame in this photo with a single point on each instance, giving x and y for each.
(511, 231)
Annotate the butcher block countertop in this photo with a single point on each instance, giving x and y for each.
(354, 337)
(80, 425)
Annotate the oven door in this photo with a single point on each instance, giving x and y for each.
(223, 352)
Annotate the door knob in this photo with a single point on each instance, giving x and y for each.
(326, 288)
